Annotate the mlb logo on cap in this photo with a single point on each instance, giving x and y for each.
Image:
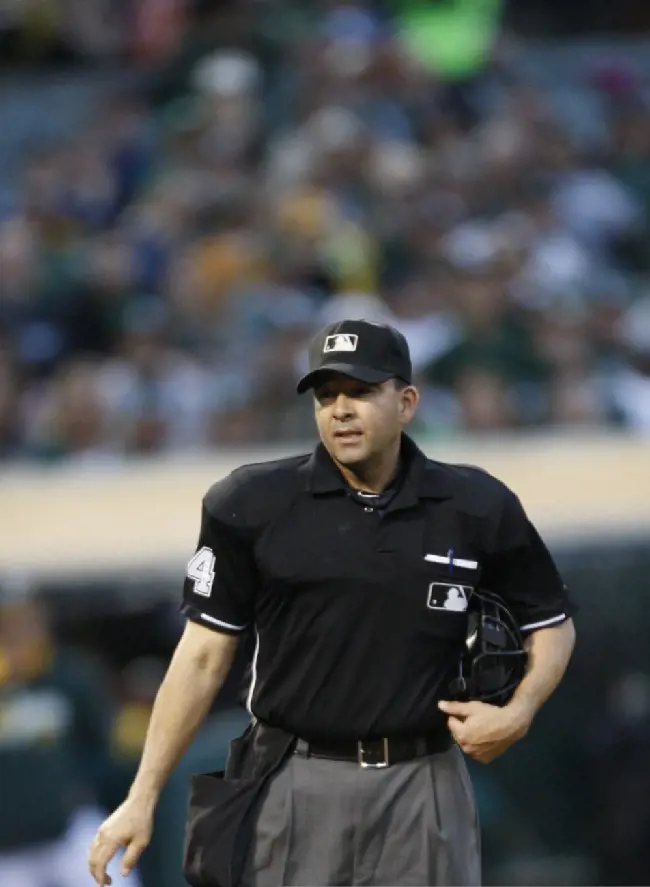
(341, 342)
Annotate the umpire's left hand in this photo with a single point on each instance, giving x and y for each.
(485, 731)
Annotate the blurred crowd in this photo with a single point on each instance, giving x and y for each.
(163, 268)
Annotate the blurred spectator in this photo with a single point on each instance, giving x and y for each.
(630, 385)
(484, 401)
(54, 719)
(493, 357)
(154, 395)
(67, 419)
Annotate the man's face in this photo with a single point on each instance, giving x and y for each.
(357, 421)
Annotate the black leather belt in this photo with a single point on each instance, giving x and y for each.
(377, 753)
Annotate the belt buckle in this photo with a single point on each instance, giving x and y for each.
(372, 765)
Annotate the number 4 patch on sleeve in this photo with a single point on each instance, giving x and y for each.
(201, 570)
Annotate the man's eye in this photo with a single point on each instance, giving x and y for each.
(357, 393)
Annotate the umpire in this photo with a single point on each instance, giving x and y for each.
(353, 566)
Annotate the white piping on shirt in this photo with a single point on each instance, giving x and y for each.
(214, 621)
(552, 621)
(251, 689)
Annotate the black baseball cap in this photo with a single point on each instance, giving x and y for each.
(370, 352)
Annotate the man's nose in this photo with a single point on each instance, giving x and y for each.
(343, 407)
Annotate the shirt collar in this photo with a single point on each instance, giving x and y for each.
(424, 479)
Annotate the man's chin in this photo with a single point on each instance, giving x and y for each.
(351, 455)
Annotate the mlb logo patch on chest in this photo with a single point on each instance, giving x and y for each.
(448, 596)
(341, 342)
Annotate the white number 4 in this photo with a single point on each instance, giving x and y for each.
(201, 570)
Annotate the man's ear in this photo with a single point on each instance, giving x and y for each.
(409, 400)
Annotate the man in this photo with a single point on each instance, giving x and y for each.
(342, 562)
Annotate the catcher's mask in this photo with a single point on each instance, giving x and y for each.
(494, 659)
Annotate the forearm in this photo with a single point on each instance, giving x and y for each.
(183, 700)
(549, 651)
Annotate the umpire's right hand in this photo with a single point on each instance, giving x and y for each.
(130, 826)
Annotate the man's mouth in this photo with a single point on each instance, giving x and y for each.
(347, 434)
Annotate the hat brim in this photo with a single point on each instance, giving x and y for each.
(363, 374)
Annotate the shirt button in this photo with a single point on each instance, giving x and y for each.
(368, 508)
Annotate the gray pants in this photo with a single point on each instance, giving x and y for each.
(332, 823)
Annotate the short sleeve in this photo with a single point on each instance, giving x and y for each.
(522, 571)
(221, 580)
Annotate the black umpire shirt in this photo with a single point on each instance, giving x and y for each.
(359, 611)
